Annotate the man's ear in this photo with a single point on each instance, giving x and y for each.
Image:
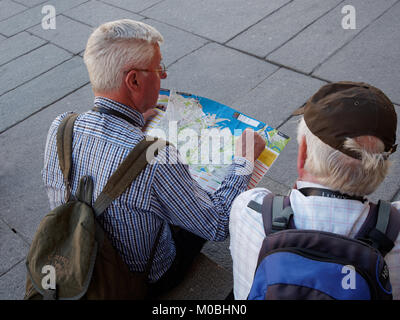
(131, 81)
(301, 157)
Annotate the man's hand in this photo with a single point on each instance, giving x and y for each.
(249, 145)
(147, 116)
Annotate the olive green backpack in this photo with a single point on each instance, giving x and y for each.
(70, 242)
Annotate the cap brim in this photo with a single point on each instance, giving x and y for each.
(299, 111)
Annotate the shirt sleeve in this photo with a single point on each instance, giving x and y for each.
(184, 203)
(392, 259)
(246, 229)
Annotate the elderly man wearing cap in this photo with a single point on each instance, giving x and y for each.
(346, 134)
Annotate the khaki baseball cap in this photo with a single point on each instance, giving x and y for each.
(350, 109)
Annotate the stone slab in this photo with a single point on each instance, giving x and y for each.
(12, 284)
(133, 5)
(217, 72)
(273, 186)
(371, 57)
(177, 43)
(34, 16)
(18, 45)
(30, 3)
(23, 199)
(12, 248)
(396, 196)
(324, 37)
(96, 13)
(217, 20)
(30, 66)
(205, 280)
(284, 170)
(29, 98)
(219, 253)
(276, 29)
(9, 8)
(69, 34)
(274, 99)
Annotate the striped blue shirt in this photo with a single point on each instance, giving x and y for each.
(162, 194)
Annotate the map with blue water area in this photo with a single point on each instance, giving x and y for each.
(189, 122)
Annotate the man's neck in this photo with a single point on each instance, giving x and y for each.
(115, 97)
(307, 177)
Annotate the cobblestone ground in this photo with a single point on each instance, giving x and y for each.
(264, 58)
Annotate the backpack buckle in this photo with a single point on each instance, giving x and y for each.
(280, 223)
(365, 240)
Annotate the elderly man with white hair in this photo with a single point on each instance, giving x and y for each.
(346, 134)
(125, 67)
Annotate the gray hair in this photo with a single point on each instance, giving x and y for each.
(116, 45)
(340, 172)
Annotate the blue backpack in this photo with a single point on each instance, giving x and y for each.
(317, 265)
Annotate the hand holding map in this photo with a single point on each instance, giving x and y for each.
(250, 145)
(190, 122)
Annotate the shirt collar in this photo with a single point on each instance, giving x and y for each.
(135, 115)
(340, 216)
(306, 184)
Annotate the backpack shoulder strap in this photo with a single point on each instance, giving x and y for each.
(127, 171)
(64, 149)
(276, 213)
(387, 227)
(383, 216)
(122, 178)
(381, 227)
(393, 226)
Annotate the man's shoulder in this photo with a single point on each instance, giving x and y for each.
(167, 154)
(124, 139)
(56, 122)
(240, 204)
(256, 194)
(113, 131)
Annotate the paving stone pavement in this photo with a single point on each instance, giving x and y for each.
(264, 58)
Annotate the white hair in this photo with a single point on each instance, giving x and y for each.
(115, 46)
(341, 172)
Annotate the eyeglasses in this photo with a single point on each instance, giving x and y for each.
(162, 70)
